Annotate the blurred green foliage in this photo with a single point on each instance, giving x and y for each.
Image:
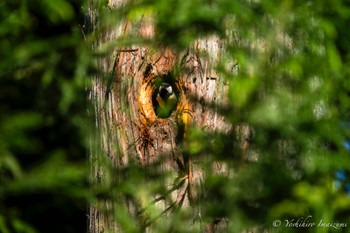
(294, 93)
(292, 89)
(43, 172)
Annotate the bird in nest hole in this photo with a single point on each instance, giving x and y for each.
(166, 100)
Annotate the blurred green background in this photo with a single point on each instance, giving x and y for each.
(43, 157)
(294, 94)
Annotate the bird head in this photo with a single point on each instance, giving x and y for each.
(165, 91)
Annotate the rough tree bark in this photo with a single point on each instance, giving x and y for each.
(127, 128)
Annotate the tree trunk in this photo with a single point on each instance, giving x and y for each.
(129, 132)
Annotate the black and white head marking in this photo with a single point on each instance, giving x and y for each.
(165, 91)
(166, 98)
